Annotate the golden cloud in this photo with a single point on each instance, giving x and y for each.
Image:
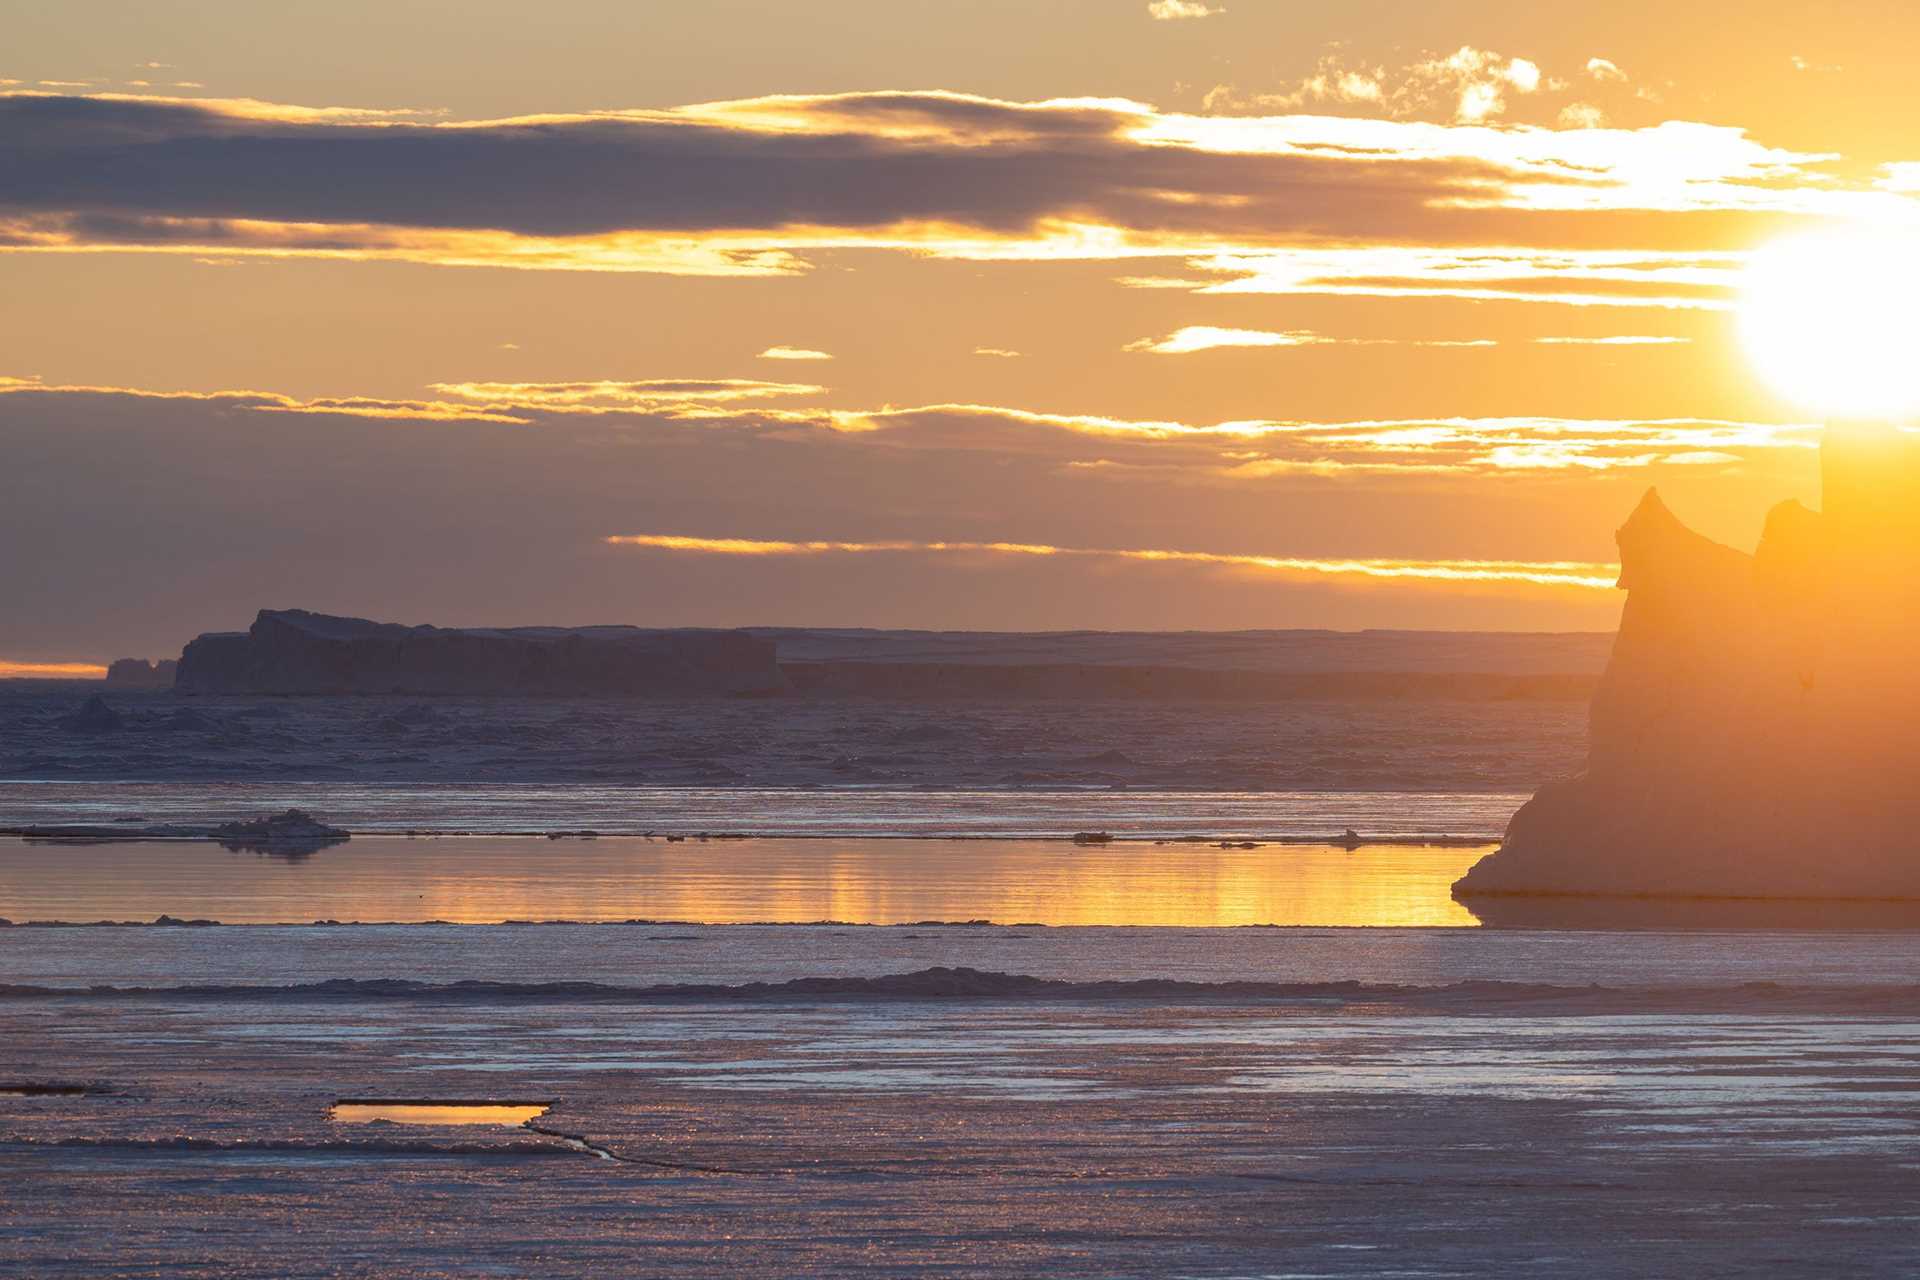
(645, 394)
(51, 670)
(1221, 452)
(752, 187)
(1557, 574)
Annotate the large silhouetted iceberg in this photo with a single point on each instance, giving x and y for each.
(1755, 733)
(293, 651)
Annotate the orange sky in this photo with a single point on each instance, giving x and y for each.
(753, 312)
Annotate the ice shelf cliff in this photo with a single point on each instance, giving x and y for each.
(1756, 731)
(296, 652)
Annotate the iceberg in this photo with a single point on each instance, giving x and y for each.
(1755, 732)
(292, 651)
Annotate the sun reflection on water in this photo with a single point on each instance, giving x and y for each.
(510, 1114)
(857, 881)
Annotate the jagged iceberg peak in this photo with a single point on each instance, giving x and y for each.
(1656, 548)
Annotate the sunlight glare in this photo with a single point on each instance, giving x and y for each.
(1828, 320)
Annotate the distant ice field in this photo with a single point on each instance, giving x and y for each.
(505, 808)
(1384, 744)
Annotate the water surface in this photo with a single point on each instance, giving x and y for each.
(877, 811)
(509, 1114)
(489, 879)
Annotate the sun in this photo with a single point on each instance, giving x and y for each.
(1831, 321)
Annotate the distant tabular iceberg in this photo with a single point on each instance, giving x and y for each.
(295, 652)
(138, 673)
(1757, 731)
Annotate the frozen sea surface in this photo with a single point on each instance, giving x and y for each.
(1374, 1088)
(1218, 1137)
(896, 1101)
(641, 956)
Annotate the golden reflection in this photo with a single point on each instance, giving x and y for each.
(510, 1114)
(486, 880)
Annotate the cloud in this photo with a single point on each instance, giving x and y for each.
(758, 187)
(1582, 115)
(493, 510)
(51, 670)
(130, 117)
(1606, 70)
(647, 394)
(997, 353)
(1163, 282)
(1480, 81)
(502, 403)
(1177, 10)
(1901, 175)
(793, 353)
(1253, 450)
(272, 402)
(1200, 337)
(1266, 449)
(1581, 576)
(1679, 281)
(1469, 85)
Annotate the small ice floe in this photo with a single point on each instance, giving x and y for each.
(294, 833)
(510, 1114)
(296, 829)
